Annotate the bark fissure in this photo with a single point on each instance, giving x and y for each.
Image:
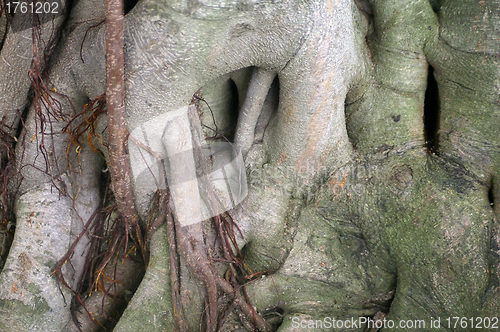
(431, 113)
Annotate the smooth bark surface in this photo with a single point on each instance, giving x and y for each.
(356, 207)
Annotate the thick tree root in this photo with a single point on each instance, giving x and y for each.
(251, 108)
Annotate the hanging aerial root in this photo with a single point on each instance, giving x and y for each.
(117, 125)
(188, 242)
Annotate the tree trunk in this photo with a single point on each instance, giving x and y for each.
(367, 131)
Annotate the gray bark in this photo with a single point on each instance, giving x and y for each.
(348, 214)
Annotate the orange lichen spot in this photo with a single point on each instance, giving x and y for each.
(14, 288)
(337, 186)
(282, 157)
